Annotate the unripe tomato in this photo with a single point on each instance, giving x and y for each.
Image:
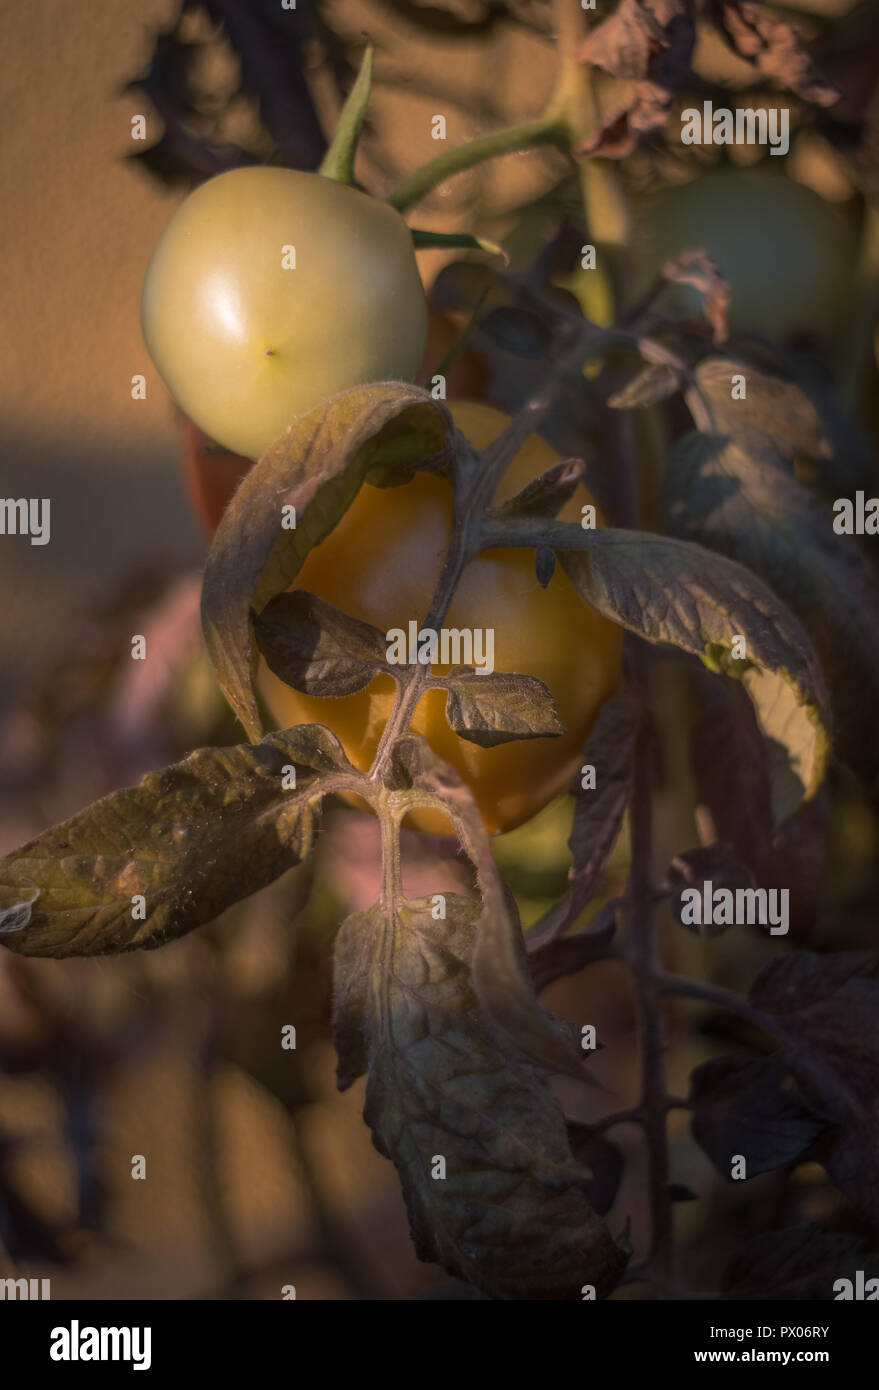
(381, 564)
(271, 290)
(787, 253)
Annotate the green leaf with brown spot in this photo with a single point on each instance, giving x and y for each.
(191, 840)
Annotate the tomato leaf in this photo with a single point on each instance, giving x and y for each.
(672, 591)
(496, 707)
(517, 330)
(645, 47)
(546, 495)
(500, 970)
(730, 764)
(731, 767)
(315, 647)
(740, 501)
(774, 46)
(551, 956)
(652, 384)
(544, 565)
(772, 407)
(492, 1189)
(716, 864)
(848, 465)
(604, 1161)
(317, 467)
(828, 1007)
(598, 813)
(799, 1262)
(191, 840)
(694, 267)
(423, 239)
(741, 1105)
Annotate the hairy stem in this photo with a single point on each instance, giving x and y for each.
(472, 498)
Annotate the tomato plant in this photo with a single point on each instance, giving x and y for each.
(381, 564)
(690, 666)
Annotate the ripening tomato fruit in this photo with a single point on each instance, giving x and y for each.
(211, 474)
(381, 564)
(469, 373)
(787, 253)
(271, 290)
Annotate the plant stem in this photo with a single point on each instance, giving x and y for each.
(568, 20)
(644, 959)
(642, 948)
(723, 999)
(548, 129)
(470, 505)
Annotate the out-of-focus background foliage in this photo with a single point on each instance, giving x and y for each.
(259, 1174)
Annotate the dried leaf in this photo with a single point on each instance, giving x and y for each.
(652, 384)
(500, 970)
(694, 267)
(645, 46)
(491, 1187)
(775, 48)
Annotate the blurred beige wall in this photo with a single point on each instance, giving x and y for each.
(78, 223)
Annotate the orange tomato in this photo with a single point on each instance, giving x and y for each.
(381, 564)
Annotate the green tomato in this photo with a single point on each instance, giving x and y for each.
(787, 253)
(271, 290)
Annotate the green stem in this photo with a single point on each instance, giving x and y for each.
(338, 161)
(548, 129)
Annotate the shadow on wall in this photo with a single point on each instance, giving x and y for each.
(111, 510)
